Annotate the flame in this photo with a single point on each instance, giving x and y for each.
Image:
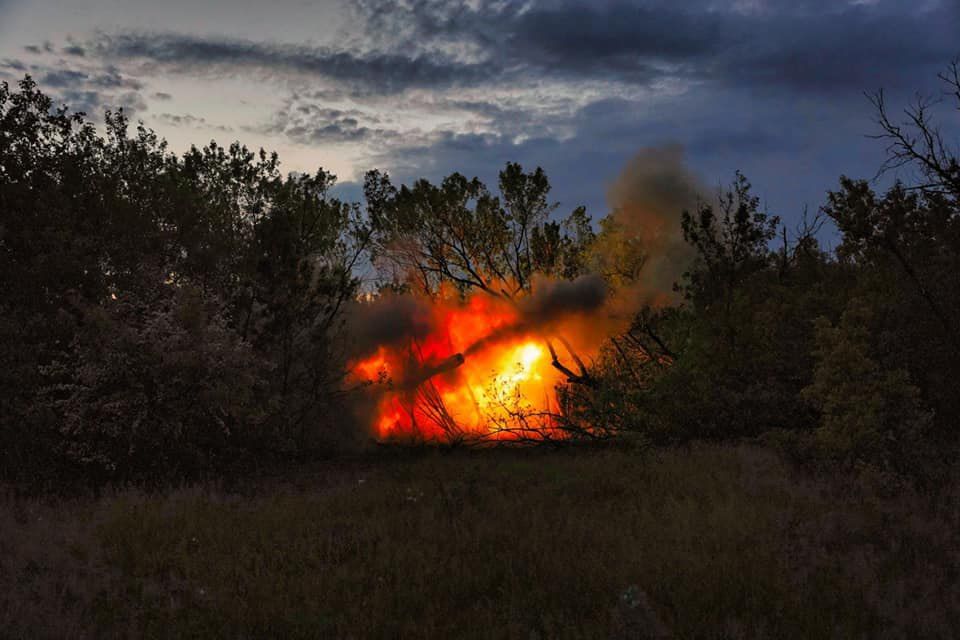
(481, 373)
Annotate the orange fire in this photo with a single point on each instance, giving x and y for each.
(479, 374)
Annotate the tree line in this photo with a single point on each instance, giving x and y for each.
(166, 317)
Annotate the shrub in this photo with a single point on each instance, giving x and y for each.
(152, 389)
(868, 413)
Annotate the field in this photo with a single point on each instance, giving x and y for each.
(706, 542)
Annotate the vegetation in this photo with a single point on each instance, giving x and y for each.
(710, 542)
(166, 317)
(168, 320)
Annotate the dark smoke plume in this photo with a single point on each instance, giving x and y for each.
(555, 299)
(387, 321)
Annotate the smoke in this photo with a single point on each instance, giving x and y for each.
(555, 299)
(646, 201)
(638, 256)
(389, 320)
(552, 302)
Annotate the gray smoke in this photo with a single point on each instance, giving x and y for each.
(647, 200)
(387, 321)
(555, 299)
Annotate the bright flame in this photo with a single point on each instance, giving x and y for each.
(479, 374)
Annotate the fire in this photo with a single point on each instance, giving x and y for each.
(480, 373)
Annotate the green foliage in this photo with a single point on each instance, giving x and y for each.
(170, 315)
(730, 245)
(106, 241)
(906, 245)
(732, 360)
(869, 414)
(561, 249)
(458, 233)
(619, 257)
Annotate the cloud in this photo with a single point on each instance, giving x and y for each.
(85, 85)
(111, 78)
(64, 78)
(815, 45)
(380, 72)
(37, 49)
(191, 121)
(426, 87)
(792, 151)
(304, 120)
(14, 65)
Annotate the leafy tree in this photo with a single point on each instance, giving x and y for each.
(870, 414)
(460, 234)
(300, 274)
(104, 240)
(731, 244)
(905, 246)
(561, 249)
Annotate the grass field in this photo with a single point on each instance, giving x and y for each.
(711, 542)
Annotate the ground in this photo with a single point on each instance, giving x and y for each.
(705, 542)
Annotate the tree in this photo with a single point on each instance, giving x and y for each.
(730, 246)
(905, 246)
(918, 143)
(457, 233)
(870, 413)
(106, 239)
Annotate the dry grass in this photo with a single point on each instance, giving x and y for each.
(708, 543)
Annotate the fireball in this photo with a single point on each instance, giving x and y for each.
(480, 374)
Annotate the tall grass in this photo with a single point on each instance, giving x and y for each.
(704, 543)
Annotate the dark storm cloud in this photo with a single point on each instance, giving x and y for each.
(852, 49)
(818, 45)
(111, 78)
(774, 89)
(85, 96)
(94, 92)
(792, 151)
(382, 72)
(85, 85)
(831, 49)
(89, 102)
(621, 42)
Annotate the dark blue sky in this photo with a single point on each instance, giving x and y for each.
(774, 88)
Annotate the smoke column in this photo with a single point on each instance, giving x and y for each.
(646, 202)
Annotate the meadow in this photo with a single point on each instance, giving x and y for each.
(706, 541)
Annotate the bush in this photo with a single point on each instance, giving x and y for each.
(868, 413)
(152, 389)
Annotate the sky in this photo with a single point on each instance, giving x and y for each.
(423, 88)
